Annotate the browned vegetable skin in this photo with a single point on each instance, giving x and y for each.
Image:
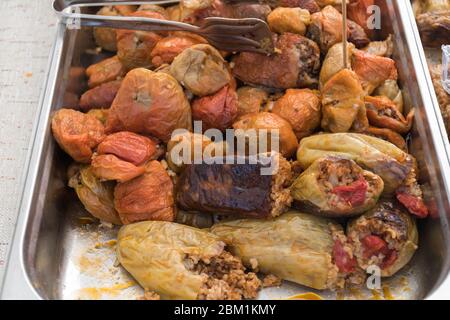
(343, 108)
(383, 113)
(294, 20)
(373, 70)
(100, 114)
(358, 11)
(296, 63)
(185, 142)
(95, 195)
(433, 20)
(302, 109)
(194, 13)
(130, 147)
(235, 189)
(218, 110)
(381, 48)
(105, 71)
(251, 100)
(77, 133)
(333, 62)
(310, 5)
(386, 237)
(150, 103)
(269, 121)
(110, 167)
(100, 97)
(201, 69)
(326, 30)
(147, 197)
(106, 37)
(388, 135)
(134, 47)
(169, 47)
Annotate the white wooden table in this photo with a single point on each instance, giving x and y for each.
(27, 30)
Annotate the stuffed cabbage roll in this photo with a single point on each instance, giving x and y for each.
(381, 157)
(308, 250)
(181, 262)
(235, 187)
(333, 62)
(336, 187)
(343, 106)
(385, 236)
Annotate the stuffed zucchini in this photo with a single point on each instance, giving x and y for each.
(336, 187)
(305, 249)
(385, 236)
(181, 262)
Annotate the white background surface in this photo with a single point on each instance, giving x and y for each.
(27, 30)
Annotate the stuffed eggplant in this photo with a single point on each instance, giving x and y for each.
(297, 247)
(385, 236)
(336, 187)
(381, 157)
(236, 187)
(181, 262)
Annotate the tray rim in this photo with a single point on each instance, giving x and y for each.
(16, 281)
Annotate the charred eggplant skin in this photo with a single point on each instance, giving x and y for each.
(235, 189)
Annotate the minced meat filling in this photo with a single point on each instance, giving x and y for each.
(345, 183)
(280, 193)
(226, 278)
(347, 271)
(377, 243)
(389, 112)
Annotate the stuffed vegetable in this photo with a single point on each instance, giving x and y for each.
(386, 236)
(235, 189)
(297, 247)
(182, 262)
(336, 187)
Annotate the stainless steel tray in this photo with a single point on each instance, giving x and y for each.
(54, 256)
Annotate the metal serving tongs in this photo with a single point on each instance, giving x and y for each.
(232, 35)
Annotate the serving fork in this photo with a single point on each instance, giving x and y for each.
(233, 35)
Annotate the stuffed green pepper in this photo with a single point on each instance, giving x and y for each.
(181, 262)
(305, 249)
(336, 187)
